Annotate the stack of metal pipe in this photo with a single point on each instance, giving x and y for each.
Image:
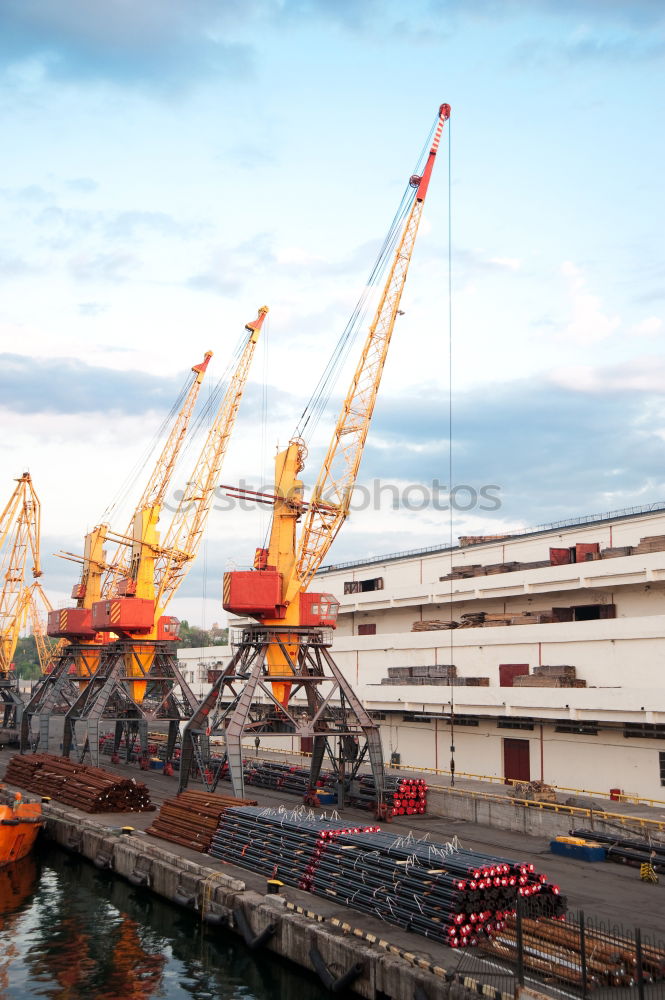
(287, 777)
(628, 850)
(438, 890)
(403, 796)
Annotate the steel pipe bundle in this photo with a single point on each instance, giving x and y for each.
(156, 746)
(403, 796)
(628, 850)
(286, 777)
(438, 890)
(191, 818)
(87, 788)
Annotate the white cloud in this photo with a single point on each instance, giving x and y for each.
(588, 323)
(641, 375)
(511, 263)
(649, 327)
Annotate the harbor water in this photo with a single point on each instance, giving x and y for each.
(70, 931)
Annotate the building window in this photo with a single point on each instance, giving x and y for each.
(584, 613)
(580, 728)
(643, 731)
(367, 629)
(510, 722)
(414, 717)
(661, 761)
(362, 586)
(378, 716)
(463, 720)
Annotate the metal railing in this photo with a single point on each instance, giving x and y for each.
(495, 779)
(570, 522)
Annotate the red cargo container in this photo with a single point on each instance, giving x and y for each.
(586, 551)
(123, 614)
(509, 671)
(560, 557)
(70, 623)
(253, 592)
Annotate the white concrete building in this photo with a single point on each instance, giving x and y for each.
(198, 665)
(602, 618)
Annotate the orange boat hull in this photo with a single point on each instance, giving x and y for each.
(19, 827)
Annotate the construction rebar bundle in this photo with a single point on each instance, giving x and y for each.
(438, 890)
(87, 788)
(191, 818)
(552, 947)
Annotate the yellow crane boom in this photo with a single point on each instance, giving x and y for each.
(183, 538)
(159, 481)
(324, 518)
(19, 538)
(38, 608)
(275, 592)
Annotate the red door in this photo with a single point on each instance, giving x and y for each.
(516, 760)
(509, 670)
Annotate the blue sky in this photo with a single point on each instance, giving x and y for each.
(171, 165)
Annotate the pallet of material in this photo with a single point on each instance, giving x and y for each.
(472, 682)
(651, 543)
(556, 670)
(545, 681)
(399, 672)
(191, 818)
(441, 670)
(433, 625)
(87, 788)
(617, 551)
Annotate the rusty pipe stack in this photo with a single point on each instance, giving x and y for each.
(191, 818)
(86, 788)
(552, 948)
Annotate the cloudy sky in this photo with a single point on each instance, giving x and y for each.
(171, 165)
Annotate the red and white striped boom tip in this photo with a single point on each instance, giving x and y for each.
(444, 115)
(422, 183)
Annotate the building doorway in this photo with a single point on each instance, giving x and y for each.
(516, 760)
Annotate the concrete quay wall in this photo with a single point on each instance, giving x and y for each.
(502, 812)
(271, 922)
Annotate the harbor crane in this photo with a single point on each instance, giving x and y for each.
(138, 680)
(19, 542)
(282, 676)
(79, 646)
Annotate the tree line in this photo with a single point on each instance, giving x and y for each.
(27, 665)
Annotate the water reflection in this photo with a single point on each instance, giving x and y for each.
(86, 935)
(18, 882)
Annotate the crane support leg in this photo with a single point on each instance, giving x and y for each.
(108, 700)
(322, 705)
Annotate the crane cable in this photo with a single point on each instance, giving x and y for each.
(323, 390)
(263, 445)
(201, 421)
(127, 486)
(450, 453)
